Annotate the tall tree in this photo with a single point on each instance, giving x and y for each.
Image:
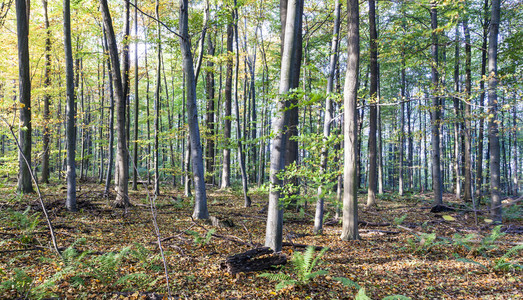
(493, 133)
(70, 203)
(122, 155)
(273, 234)
(350, 100)
(226, 165)
(318, 219)
(373, 101)
(437, 184)
(241, 154)
(157, 102)
(467, 185)
(47, 97)
(25, 184)
(209, 88)
(136, 99)
(200, 199)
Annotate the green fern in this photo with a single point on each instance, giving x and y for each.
(347, 282)
(303, 265)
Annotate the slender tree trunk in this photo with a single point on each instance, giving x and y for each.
(226, 168)
(373, 101)
(350, 192)
(241, 154)
(493, 132)
(47, 96)
(200, 199)
(136, 100)
(110, 162)
(273, 235)
(515, 176)
(458, 118)
(122, 155)
(318, 219)
(401, 134)
(436, 108)
(126, 66)
(209, 85)
(70, 202)
(479, 159)
(157, 105)
(467, 186)
(25, 184)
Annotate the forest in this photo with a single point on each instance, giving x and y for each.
(235, 149)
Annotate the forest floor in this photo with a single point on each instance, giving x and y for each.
(113, 254)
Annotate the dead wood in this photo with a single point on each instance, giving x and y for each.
(254, 260)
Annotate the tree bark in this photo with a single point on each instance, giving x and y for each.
(467, 185)
(436, 111)
(122, 157)
(495, 192)
(47, 96)
(136, 100)
(209, 86)
(25, 184)
(241, 154)
(318, 218)
(226, 168)
(200, 199)
(273, 235)
(350, 98)
(373, 101)
(70, 203)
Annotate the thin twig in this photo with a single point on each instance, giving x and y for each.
(40, 198)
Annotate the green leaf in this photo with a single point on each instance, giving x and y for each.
(448, 218)
(347, 282)
(396, 297)
(362, 295)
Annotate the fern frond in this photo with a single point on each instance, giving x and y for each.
(285, 283)
(347, 282)
(276, 277)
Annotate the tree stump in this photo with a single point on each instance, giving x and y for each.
(253, 260)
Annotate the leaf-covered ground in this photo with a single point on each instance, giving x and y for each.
(110, 253)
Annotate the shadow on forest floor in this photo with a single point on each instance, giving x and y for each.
(404, 249)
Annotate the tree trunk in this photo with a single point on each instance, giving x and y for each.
(70, 203)
(209, 85)
(458, 118)
(200, 199)
(241, 154)
(436, 108)
(136, 100)
(373, 101)
(493, 133)
(122, 165)
(25, 184)
(111, 122)
(318, 218)
(467, 185)
(157, 105)
(479, 159)
(226, 168)
(47, 97)
(350, 97)
(273, 235)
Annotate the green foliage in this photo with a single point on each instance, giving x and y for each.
(422, 243)
(504, 263)
(347, 282)
(25, 222)
(399, 220)
(105, 268)
(20, 282)
(303, 266)
(145, 257)
(132, 281)
(199, 239)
